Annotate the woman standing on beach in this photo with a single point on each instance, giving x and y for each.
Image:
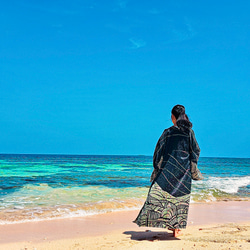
(175, 165)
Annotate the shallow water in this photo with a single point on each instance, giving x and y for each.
(37, 187)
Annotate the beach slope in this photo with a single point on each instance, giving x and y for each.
(219, 225)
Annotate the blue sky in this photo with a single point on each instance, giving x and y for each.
(101, 77)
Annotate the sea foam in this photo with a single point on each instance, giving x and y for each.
(229, 185)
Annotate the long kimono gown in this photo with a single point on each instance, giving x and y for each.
(167, 203)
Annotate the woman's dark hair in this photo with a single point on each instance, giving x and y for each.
(182, 120)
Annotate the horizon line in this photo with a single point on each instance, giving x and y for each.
(66, 154)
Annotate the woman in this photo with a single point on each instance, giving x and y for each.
(175, 164)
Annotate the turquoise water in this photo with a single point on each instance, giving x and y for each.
(38, 187)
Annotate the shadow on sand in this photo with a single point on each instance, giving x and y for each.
(150, 235)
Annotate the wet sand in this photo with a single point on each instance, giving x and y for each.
(218, 225)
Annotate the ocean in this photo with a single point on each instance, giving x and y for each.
(45, 187)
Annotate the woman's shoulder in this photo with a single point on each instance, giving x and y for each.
(191, 131)
(165, 133)
(168, 130)
(178, 130)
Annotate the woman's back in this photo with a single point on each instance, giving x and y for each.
(172, 158)
(176, 154)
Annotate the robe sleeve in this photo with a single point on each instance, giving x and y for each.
(158, 155)
(194, 157)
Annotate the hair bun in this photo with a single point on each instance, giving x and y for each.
(182, 119)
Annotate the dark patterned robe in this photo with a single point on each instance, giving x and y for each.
(175, 164)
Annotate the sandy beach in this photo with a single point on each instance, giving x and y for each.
(218, 225)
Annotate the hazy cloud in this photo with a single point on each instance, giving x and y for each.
(182, 34)
(137, 43)
(122, 4)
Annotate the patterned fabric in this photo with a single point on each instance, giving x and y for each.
(163, 210)
(168, 198)
(174, 152)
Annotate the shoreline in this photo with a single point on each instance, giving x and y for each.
(82, 211)
(42, 234)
